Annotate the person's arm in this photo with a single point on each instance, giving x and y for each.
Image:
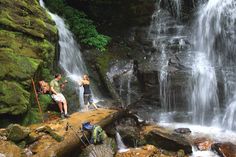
(80, 83)
(52, 89)
(63, 84)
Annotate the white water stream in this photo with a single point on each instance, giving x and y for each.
(70, 60)
(214, 42)
(120, 144)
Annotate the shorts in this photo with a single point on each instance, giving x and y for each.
(58, 97)
(88, 99)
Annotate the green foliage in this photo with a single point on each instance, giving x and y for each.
(80, 25)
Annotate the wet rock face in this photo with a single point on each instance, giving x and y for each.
(27, 49)
(187, 8)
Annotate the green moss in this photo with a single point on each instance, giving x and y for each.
(5, 18)
(27, 48)
(33, 116)
(13, 98)
(17, 133)
(45, 100)
(16, 66)
(103, 62)
(26, 17)
(40, 22)
(21, 144)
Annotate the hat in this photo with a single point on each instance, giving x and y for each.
(87, 126)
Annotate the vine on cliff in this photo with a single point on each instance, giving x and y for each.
(80, 25)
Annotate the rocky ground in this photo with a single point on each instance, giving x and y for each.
(50, 138)
(59, 137)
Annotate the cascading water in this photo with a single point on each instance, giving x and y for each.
(204, 98)
(164, 31)
(212, 58)
(121, 146)
(178, 4)
(214, 42)
(70, 60)
(123, 75)
(165, 98)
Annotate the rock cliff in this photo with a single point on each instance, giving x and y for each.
(27, 50)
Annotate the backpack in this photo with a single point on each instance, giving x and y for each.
(98, 134)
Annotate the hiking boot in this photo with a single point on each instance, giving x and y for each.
(67, 115)
(62, 115)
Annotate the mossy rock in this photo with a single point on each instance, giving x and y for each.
(26, 17)
(14, 99)
(16, 66)
(19, 44)
(27, 50)
(33, 116)
(45, 100)
(103, 63)
(17, 133)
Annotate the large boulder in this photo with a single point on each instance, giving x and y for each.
(27, 50)
(17, 133)
(166, 139)
(14, 99)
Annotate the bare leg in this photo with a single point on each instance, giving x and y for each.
(60, 106)
(95, 106)
(65, 106)
(87, 106)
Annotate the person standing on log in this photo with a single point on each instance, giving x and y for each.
(58, 96)
(85, 82)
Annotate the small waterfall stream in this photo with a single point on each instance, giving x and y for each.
(121, 146)
(178, 4)
(70, 60)
(122, 75)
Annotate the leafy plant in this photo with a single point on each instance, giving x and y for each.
(80, 25)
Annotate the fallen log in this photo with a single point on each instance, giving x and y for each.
(47, 147)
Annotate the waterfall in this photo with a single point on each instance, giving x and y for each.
(121, 146)
(164, 96)
(178, 4)
(70, 60)
(122, 74)
(211, 61)
(214, 43)
(163, 32)
(204, 98)
(230, 115)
